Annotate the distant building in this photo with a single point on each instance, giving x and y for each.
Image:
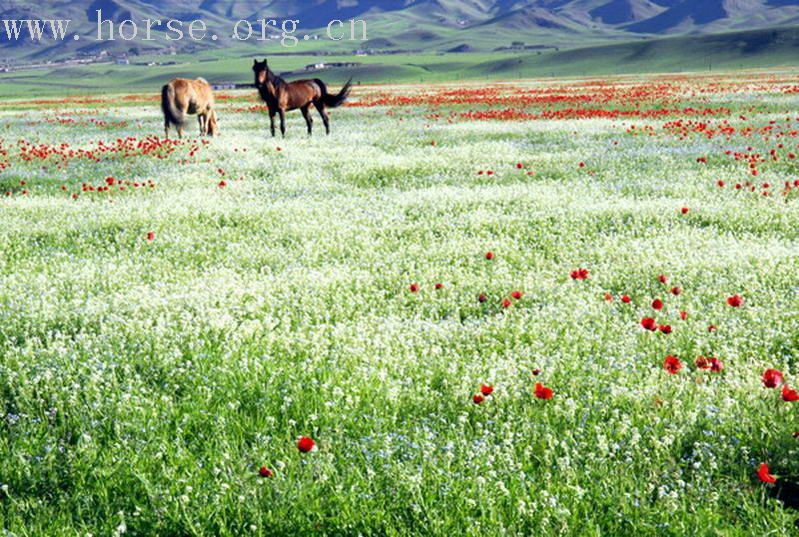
(332, 65)
(122, 61)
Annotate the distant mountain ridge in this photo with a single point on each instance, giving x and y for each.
(537, 22)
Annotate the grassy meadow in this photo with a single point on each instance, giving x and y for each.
(178, 318)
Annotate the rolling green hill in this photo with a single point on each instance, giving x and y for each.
(734, 50)
(729, 51)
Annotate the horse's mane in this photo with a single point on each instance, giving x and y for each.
(274, 79)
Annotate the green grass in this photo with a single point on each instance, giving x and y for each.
(142, 385)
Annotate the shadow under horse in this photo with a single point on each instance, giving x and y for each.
(281, 96)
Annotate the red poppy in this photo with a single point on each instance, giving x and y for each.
(676, 291)
(478, 399)
(517, 295)
(684, 210)
(702, 363)
(657, 304)
(306, 445)
(666, 329)
(649, 323)
(735, 301)
(672, 364)
(265, 472)
(712, 328)
(439, 286)
(580, 274)
(542, 392)
(765, 474)
(608, 297)
(626, 299)
(716, 365)
(663, 279)
(414, 288)
(150, 236)
(486, 389)
(489, 255)
(507, 303)
(519, 166)
(789, 395)
(536, 372)
(721, 183)
(772, 378)
(222, 184)
(683, 315)
(482, 298)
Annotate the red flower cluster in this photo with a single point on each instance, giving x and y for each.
(542, 392)
(485, 391)
(306, 445)
(672, 364)
(649, 324)
(265, 472)
(709, 363)
(735, 301)
(764, 474)
(773, 378)
(789, 395)
(580, 274)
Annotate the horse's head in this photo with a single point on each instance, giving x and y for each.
(261, 70)
(213, 124)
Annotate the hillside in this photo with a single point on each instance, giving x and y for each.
(407, 25)
(757, 49)
(724, 51)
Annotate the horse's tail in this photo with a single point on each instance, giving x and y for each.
(334, 101)
(172, 115)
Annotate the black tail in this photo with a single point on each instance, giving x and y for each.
(172, 115)
(334, 101)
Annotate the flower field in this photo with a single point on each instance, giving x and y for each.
(567, 307)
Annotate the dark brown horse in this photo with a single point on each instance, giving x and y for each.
(281, 97)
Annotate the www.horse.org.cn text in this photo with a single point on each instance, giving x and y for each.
(285, 32)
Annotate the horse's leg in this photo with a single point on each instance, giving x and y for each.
(166, 129)
(272, 114)
(203, 121)
(323, 112)
(282, 122)
(306, 113)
